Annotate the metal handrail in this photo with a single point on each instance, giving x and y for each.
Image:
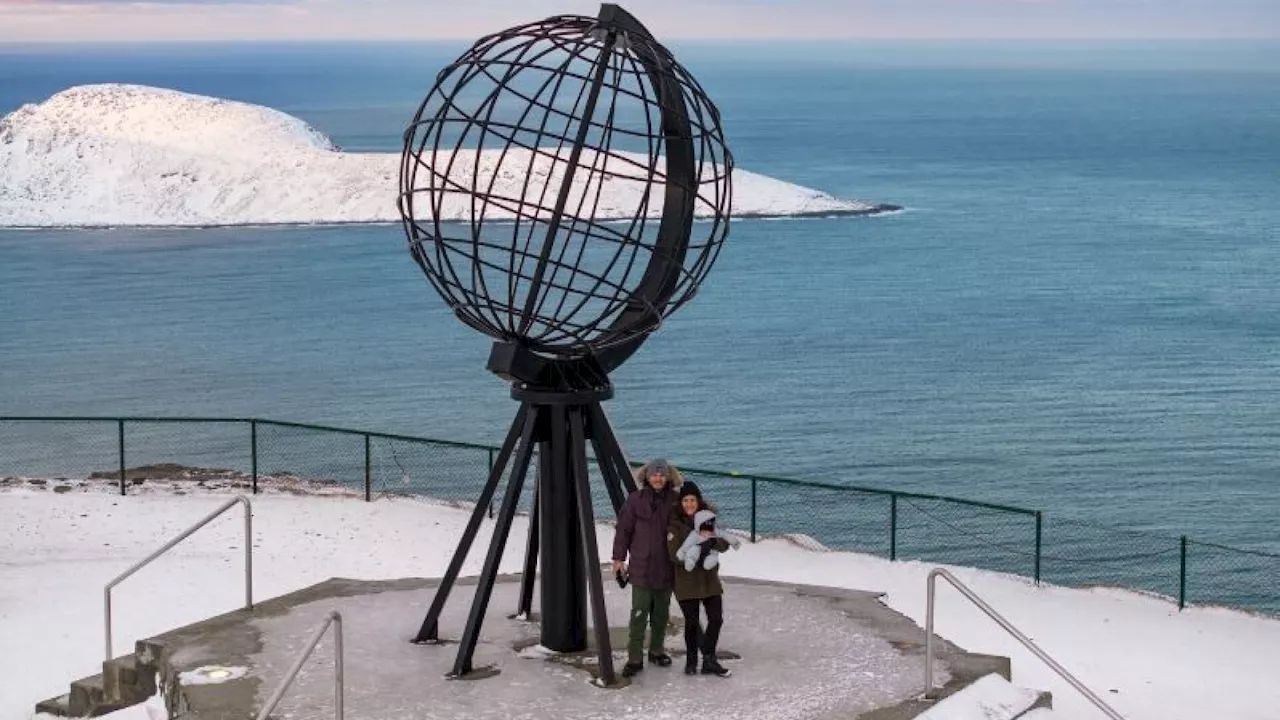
(1009, 628)
(334, 619)
(248, 559)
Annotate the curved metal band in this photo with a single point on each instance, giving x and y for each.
(665, 264)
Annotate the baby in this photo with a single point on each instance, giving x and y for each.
(696, 551)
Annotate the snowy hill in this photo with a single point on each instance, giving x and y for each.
(132, 155)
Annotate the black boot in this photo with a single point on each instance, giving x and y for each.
(631, 669)
(711, 666)
(660, 659)
(691, 664)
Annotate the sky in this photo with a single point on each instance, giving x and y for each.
(121, 20)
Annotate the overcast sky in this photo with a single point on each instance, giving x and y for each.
(35, 20)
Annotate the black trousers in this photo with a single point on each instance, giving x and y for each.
(695, 637)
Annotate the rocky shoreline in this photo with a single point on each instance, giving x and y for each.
(181, 479)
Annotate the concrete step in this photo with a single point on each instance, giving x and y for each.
(989, 698)
(89, 698)
(128, 680)
(59, 706)
(123, 682)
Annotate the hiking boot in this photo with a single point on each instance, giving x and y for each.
(631, 669)
(660, 659)
(710, 666)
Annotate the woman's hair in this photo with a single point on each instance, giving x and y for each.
(702, 504)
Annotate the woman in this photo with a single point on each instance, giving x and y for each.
(698, 588)
(640, 538)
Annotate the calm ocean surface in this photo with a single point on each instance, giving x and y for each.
(1079, 311)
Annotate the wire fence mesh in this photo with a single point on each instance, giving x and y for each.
(271, 456)
(198, 451)
(960, 533)
(834, 518)
(1083, 554)
(1232, 577)
(58, 449)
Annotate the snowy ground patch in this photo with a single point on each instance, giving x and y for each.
(1143, 656)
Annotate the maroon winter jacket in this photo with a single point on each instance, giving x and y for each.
(642, 533)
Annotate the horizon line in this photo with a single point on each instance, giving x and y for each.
(708, 39)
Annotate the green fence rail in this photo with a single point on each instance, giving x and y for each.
(255, 453)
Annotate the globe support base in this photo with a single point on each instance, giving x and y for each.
(561, 529)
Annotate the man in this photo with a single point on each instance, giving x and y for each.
(642, 538)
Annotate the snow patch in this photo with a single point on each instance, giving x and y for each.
(1140, 654)
(538, 652)
(131, 155)
(212, 675)
(808, 542)
(990, 698)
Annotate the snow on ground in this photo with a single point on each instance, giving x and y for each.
(1150, 661)
(97, 155)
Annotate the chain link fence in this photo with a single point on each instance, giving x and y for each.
(265, 455)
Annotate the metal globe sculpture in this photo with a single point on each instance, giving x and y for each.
(565, 187)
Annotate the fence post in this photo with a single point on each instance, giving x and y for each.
(490, 472)
(120, 427)
(1039, 531)
(253, 451)
(893, 527)
(1182, 576)
(368, 470)
(753, 509)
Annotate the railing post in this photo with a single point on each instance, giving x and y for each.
(334, 619)
(338, 654)
(120, 427)
(1008, 627)
(253, 452)
(248, 553)
(106, 606)
(753, 508)
(1182, 576)
(893, 527)
(1039, 535)
(931, 587)
(248, 561)
(368, 470)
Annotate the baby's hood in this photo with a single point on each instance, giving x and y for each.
(701, 517)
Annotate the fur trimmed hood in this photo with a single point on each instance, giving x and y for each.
(674, 478)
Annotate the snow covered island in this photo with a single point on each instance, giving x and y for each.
(129, 155)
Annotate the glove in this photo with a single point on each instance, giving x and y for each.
(702, 556)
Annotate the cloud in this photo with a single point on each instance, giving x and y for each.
(36, 4)
(74, 20)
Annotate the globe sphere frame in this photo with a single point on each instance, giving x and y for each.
(550, 183)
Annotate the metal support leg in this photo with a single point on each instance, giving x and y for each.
(501, 530)
(530, 574)
(563, 587)
(612, 483)
(617, 490)
(613, 451)
(587, 525)
(429, 632)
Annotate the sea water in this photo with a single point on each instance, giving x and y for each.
(1077, 312)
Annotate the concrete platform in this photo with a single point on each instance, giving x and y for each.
(795, 651)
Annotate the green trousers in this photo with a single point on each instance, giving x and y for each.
(648, 607)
